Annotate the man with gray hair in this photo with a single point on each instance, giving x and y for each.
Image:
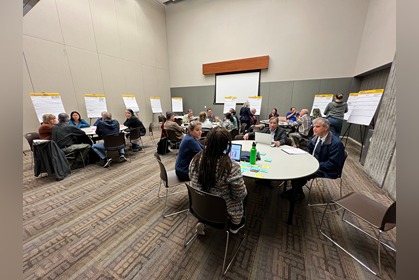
(105, 127)
(70, 138)
(304, 124)
(328, 150)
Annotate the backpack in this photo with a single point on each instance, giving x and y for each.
(162, 146)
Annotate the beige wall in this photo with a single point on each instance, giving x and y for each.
(97, 46)
(305, 39)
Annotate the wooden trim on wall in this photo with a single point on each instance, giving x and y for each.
(238, 65)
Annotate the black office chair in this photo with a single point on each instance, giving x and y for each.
(212, 211)
(113, 143)
(30, 136)
(172, 137)
(381, 218)
(135, 137)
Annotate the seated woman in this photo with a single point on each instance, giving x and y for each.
(204, 121)
(77, 121)
(188, 148)
(133, 122)
(48, 120)
(212, 170)
(273, 114)
(227, 123)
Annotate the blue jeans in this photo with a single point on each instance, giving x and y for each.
(99, 149)
(335, 125)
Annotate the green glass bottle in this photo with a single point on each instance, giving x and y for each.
(253, 153)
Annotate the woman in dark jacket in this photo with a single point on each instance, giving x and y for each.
(245, 115)
(133, 122)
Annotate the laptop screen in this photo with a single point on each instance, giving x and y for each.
(235, 153)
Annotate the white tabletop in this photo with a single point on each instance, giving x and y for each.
(91, 130)
(283, 165)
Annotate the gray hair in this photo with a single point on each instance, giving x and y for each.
(192, 125)
(246, 104)
(169, 114)
(63, 117)
(106, 116)
(325, 122)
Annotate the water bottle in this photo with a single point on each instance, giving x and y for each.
(253, 153)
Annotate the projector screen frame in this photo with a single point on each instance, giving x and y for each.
(233, 73)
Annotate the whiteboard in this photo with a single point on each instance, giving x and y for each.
(241, 85)
(130, 102)
(95, 105)
(155, 104)
(365, 107)
(255, 102)
(353, 96)
(177, 104)
(46, 103)
(320, 101)
(229, 102)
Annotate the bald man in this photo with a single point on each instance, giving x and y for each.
(304, 124)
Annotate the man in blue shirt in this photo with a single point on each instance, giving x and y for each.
(292, 115)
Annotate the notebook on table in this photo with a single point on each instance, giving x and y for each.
(263, 138)
(236, 151)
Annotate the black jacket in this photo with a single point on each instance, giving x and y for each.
(280, 135)
(134, 122)
(49, 158)
(107, 127)
(66, 135)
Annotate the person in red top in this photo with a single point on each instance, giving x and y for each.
(48, 120)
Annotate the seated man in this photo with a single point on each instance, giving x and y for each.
(170, 124)
(279, 135)
(105, 127)
(304, 123)
(188, 117)
(210, 115)
(328, 150)
(292, 115)
(70, 138)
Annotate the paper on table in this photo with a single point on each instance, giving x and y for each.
(294, 151)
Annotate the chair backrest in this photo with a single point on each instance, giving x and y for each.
(114, 142)
(208, 208)
(134, 134)
(163, 172)
(150, 129)
(171, 135)
(343, 163)
(30, 137)
(234, 132)
(242, 128)
(389, 219)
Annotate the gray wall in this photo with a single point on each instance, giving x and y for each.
(281, 95)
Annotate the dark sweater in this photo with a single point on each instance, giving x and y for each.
(107, 127)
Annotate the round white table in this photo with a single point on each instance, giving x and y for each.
(284, 166)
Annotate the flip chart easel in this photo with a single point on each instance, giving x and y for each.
(155, 105)
(229, 102)
(320, 101)
(46, 103)
(95, 105)
(131, 103)
(365, 106)
(255, 102)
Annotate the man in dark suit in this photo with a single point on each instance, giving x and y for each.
(279, 135)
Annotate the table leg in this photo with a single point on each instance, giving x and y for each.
(292, 204)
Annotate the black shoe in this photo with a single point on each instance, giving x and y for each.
(77, 165)
(235, 228)
(107, 163)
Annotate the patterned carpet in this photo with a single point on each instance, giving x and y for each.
(106, 224)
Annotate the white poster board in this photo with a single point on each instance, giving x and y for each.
(320, 101)
(46, 103)
(255, 102)
(177, 104)
(366, 105)
(353, 96)
(130, 102)
(229, 102)
(155, 104)
(95, 104)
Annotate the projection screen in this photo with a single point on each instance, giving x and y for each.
(241, 85)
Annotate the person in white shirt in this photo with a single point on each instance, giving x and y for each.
(204, 121)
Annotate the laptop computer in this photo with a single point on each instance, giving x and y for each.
(236, 151)
(263, 138)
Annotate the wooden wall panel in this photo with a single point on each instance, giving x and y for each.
(238, 65)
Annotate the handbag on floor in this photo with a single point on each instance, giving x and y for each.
(162, 146)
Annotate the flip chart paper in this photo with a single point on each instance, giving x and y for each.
(46, 103)
(95, 104)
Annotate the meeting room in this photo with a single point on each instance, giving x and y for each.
(183, 139)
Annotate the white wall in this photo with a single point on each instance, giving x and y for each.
(378, 44)
(95, 46)
(305, 39)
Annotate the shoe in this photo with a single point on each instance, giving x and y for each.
(107, 163)
(288, 195)
(122, 158)
(200, 229)
(235, 228)
(135, 150)
(102, 161)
